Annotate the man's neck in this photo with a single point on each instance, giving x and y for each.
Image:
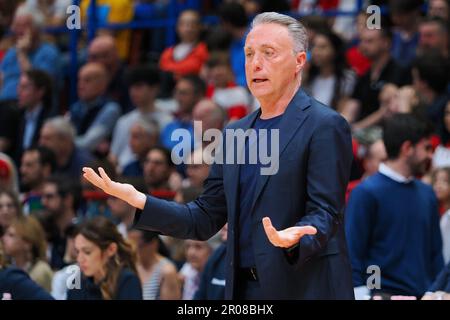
(33, 108)
(399, 166)
(272, 106)
(147, 108)
(378, 65)
(326, 70)
(148, 261)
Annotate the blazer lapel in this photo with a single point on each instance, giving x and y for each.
(291, 121)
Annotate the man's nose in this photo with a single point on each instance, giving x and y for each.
(257, 62)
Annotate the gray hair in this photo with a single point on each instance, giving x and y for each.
(296, 30)
(149, 126)
(62, 126)
(36, 15)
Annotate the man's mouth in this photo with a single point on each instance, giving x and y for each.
(259, 80)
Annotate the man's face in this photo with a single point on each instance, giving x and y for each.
(156, 170)
(140, 141)
(21, 25)
(51, 199)
(220, 76)
(50, 139)
(438, 8)
(141, 94)
(91, 83)
(372, 43)
(104, 53)
(31, 169)
(27, 92)
(197, 253)
(420, 159)
(185, 96)
(270, 63)
(431, 37)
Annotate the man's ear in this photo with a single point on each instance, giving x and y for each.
(406, 149)
(300, 61)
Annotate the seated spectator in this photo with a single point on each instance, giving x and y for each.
(38, 163)
(54, 11)
(374, 154)
(211, 116)
(102, 49)
(329, 79)
(158, 173)
(10, 209)
(430, 78)
(8, 174)
(197, 169)
(58, 134)
(35, 102)
(159, 277)
(143, 86)
(61, 198)
(15, 284)
(94, 115)
(212, 282)
(24, 242)
(234, 20)
(223, 89)
(112, 11)
(59, 283)
(362, 109)
(441, 156)
(355, 59)
(188, 56)
(405, 37)
(433, 36)
(189, 91)
(197, 254)
(123, 213)
(107, 263)
(143, 136)
(441, 185)
(29, 52)
(439, 8)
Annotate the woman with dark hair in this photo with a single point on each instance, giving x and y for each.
(107, 263)
(158, 274)
(329, 80)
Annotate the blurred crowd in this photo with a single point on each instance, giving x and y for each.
(390, 83)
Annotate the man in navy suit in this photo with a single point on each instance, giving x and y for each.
(303, 195)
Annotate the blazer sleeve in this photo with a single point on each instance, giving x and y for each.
(328, 171)
(199, 219)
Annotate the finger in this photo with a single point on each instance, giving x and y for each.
(308, 230)
(104, 176)
(93, 177)
(271, 232)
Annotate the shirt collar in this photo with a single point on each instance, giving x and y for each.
(33, 115)
(392, 174)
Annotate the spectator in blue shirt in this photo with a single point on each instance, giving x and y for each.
(392, 218)
(29, 52)
(95, 114)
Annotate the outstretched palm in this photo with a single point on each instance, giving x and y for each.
(122, 191)
(288, 237)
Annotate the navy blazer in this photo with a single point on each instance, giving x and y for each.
(18, 284)
(308, 189)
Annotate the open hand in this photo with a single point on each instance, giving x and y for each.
(288, 237)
